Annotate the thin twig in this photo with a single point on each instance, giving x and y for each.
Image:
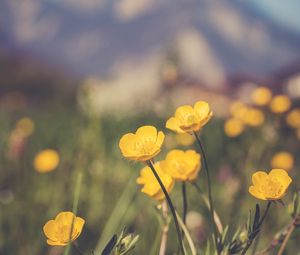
(287, 237)
(184, 202)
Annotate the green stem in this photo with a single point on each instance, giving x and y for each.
(211, 205)
(184, 202)
(170, 204)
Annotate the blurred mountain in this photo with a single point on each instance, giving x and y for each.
(212, 39)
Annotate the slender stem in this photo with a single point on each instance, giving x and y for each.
(211, 205)
(77, 249)
(184, 202)
(259, 225)
(165, 230)
(172, 209)
(286, 239)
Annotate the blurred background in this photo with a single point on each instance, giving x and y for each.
(75, 75)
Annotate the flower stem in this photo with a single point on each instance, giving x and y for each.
(172, 209)
(184, 202)
(211, 205)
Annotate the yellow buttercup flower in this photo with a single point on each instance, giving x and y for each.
(189, 119)
(283, 159)
(182, 165)
(151, 186)
(26, 126)
(293, 118)
(280, 104)
(253, 117)
(233, 127)
(261, 96)
(58, 231)
(185, 139)
(46, 161)
(238, 109)
(144, 145)
(272, 186)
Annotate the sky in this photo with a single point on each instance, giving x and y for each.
(284, 12)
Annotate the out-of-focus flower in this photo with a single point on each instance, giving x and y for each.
(283, 160)
(261, 96)
(66, 227)
(182, 165)
(293, 118)
(46, 160)
(233, 127)
(151, 186)
(272, 186)
(26, 125)
(280, 104)
(254, 117)
(238, 109)
(185, 139)
(16, 144)
(189, 119)
(144, 145)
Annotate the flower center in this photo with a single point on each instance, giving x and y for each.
(272, 188)
(63, 233)
(144, 145)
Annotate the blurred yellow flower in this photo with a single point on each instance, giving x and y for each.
(272, 186)
(46, 161)
(151, 186)
(58, 231)
(26, 126)
(261, 96)
(182, 165)
(238, 109)
(185, 139)
(253, 117)
(280, 104)
(293, 118)
(144, 145)
(233, 127)
(189, 119)
(283, 160)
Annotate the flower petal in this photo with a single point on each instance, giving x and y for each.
(202, 109)
(160, 139)
(147, 131)
(259, 177)
(173, 124)
(253, 191)
(282, 176)
(50, 229)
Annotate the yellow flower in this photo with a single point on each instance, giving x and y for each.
(253, 117)
(233, 127)
(272, 186)
(182, 165)
(238, 109)
(280, 104)
(144, 145)
(26, 126)
(185, 139)
(151, 186)
(283, 160)
(189, 119)
(46, 161)
(261, 96)
(293, 118)
(58, 231)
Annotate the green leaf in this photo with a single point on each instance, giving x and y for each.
(110, 245)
